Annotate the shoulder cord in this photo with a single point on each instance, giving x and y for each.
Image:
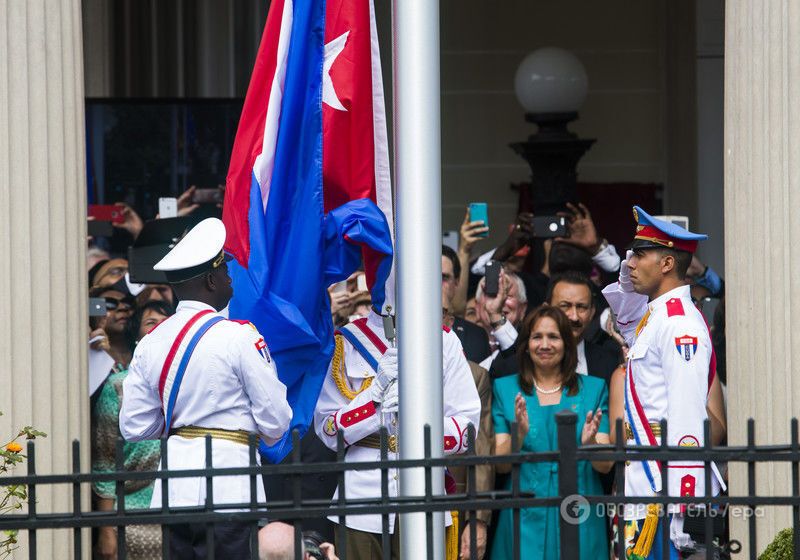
(337, 370)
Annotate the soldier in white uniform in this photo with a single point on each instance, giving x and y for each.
(359, 393)
(668, 376)
(199, 374)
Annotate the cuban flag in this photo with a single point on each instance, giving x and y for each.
(308, 191)
(686, 346)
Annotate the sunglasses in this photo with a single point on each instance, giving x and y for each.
(114, 304)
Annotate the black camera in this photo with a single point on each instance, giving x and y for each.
(311, 542)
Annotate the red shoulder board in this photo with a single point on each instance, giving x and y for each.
(674, 307)
(445, 328)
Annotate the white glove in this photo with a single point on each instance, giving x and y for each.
(387, 372)
(391, 399)
(676, 534)
(625, 274)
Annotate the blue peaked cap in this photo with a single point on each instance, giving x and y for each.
(652, 232)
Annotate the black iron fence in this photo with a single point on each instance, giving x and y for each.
(708, 533)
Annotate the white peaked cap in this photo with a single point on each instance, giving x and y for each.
(201, 245)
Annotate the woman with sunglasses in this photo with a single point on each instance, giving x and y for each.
(141, 541)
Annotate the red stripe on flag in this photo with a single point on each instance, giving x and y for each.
(348, 154)
(250, 137)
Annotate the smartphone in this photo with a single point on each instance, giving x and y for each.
(97, 307)
(492, 285)
(549, 226)
(207, 196)
(99, 229)
(107, 213)
(479, 212)
(361, 282)
(168, 207)
(682, 221)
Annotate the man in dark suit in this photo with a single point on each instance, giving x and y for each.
(598, 354)
(473, 338)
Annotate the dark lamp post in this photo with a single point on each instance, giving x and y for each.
(551, 85)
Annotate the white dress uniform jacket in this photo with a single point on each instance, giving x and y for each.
(229, 384)
(668, 377)
(335, 412)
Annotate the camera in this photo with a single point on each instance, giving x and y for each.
(311, 542)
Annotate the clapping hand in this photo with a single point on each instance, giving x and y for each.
(591, 427)
(521, 417)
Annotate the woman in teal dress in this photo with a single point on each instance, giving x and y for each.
(142, 542)
(547, 383)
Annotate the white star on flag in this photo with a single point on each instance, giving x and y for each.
(332, 51)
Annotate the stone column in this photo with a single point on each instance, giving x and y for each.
(762, 229)
(43, 300)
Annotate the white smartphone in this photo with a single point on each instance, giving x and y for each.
(167, 207)
(682, 221)
(362, 283)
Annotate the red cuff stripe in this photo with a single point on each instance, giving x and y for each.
(458, 429)
(358, 414)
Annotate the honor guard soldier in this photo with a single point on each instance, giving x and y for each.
(668, 377)
(199, 374)
(359, 396)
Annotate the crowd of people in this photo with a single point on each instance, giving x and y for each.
(538, 338)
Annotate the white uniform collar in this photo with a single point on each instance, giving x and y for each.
(677, 293)
(193, 305)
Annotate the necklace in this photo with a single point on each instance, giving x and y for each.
(555, 389)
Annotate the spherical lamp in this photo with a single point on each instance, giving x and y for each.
(551, 85)
(551, 80)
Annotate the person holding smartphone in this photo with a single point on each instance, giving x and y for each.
(579, 250)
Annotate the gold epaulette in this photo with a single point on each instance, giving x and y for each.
(337, 371)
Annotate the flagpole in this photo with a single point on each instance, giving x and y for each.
(415, 31)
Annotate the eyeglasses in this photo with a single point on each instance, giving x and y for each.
(114, 304)
(116, 271)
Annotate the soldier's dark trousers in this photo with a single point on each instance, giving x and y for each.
(187, 541)
(367, 546)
